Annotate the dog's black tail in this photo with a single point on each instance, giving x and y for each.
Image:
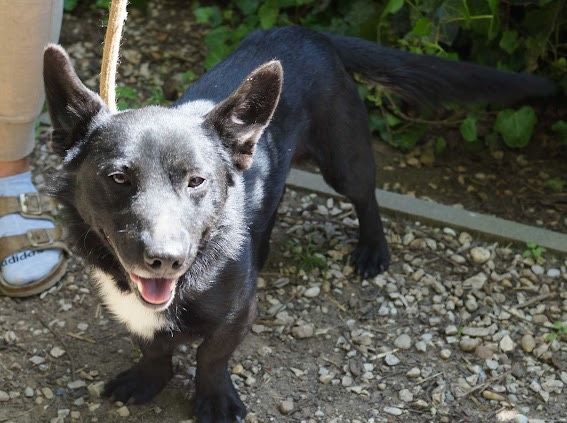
(431, 80)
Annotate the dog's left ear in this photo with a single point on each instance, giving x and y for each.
(241, 119)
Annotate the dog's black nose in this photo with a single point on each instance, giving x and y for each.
(164, 260)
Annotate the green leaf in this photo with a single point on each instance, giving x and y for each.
(69, 5)
(509, 41)
(556, 184)
(407, 139)
(268, 14)
(247, 7)
(392, 120)
(516, 126)
(493, 4)
(209, 15)
(560, 128)
(468, 129)
(102, 4)
(392, 7)
(422, 27)
(216, 41)
(440, 146)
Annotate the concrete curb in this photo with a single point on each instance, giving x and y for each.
(491, 226)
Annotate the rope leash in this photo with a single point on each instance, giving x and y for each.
(110, 53)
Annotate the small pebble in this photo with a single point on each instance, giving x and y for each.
(406, 395)
(413, 372)
(506, 344)
(480, 255)
(528, 343)
(403, 341)
(394, 411)
(312, 292)
(57, 352)
(123, 411)
(76, 384)
(391, 360)
(286, 407)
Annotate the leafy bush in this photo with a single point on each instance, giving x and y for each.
(517, 35)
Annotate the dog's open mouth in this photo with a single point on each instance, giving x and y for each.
(157, 291)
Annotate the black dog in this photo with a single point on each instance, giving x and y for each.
(173, 207)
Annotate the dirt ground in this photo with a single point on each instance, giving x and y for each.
(459, 330)
(440, 337)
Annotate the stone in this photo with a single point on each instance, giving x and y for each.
(47, 393)
(403, 341)
(394, 411)
(286, 407)
(520, 418)
(482, 351)
(421, 346)
(303, 331)
(528, 343)
(28, 392)
(493, 396)
(537, 269)
(491, 364)
(10, 337)
(413, 372)
(76, 384)
(465, 238)
(346, 380)
(406, 395)
(391, 360)
(445, 354)
(123, 411)
(476, 282)
(37, 360)
(506, 344)
(480, 255)
(312, 292)
(451, 330)
(95, 389)
(479, 331)
(468, 344)
(56, 352)
(4, 396)
(553, 273)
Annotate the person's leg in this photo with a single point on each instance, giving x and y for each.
(26, 26)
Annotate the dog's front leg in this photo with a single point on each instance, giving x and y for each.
(148, 377)
(216, 399)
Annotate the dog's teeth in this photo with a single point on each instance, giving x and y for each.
(139, 286)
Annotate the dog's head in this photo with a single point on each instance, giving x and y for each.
(151, 183)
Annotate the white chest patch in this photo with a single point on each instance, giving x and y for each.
(127, 308)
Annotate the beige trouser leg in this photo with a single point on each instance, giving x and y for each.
(26, 26)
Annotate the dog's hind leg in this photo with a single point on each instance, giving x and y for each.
(341, 146)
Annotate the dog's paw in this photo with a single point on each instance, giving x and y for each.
(221, 407)
(370, 260)
(139, 384)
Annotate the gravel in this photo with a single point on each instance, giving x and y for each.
(458, 329)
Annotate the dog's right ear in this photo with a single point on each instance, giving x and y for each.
(72, 106)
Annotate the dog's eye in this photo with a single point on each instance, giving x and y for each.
(119, 177)
(195, 181)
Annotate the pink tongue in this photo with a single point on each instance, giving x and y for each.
(154, 291)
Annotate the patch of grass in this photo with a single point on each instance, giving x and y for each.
(556, 184)
(559, 329)
(307, 257)
(533, 250)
